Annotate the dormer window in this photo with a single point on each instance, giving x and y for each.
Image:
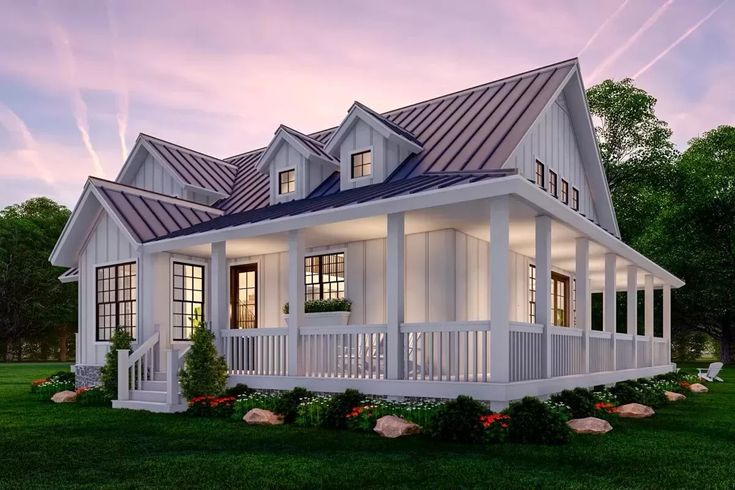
(362, 164)
(287, 181)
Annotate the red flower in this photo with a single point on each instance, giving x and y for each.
(607, 407)
(491, 418)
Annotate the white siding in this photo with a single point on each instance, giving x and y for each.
(309, 173)
(153, 177)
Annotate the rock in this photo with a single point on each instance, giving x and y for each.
(589, 425)
(634, 411)
(674, 397)
(64, 397)
(391, 427)
(698, 388)
(258, 416)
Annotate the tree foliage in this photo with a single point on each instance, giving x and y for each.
(120, 340)
(205, 371)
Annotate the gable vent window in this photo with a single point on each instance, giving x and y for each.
(539, 174)
(287, 181)
(564, 191)
(552, 184)
(575, 199)
(362, 164)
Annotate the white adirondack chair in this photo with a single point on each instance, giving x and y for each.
(710, 374)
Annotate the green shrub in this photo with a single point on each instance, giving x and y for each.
(459, 421)
(244, 403)
(581, 402)
(324, 305)
(204, 372)
(238, 390)
(639, 391)
(120, 340)
(49, 387)
(313, 412)
(287, 404)
(93, 396)
(532, 421)
(339, 406)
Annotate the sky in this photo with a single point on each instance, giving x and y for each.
(79, 80)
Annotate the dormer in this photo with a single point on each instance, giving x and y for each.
(369, 147)
(296, 164)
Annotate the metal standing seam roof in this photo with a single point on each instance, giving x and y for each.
(311, 144)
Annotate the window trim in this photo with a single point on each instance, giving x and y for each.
(233, 270)
(540, 164)
(319, 253)
(557, 277)
(564, 191)
(104, 265)
(553, 183)
(575, 198)
(357, 151)
(205, 291)
(278, 181)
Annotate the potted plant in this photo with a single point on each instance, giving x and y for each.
(324, 312)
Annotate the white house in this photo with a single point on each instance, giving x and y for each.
(469, 231)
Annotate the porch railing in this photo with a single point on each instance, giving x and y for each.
(643, 347)
(525, 351)
(601, 351)
(567, 351)
(625, 351)
(351, 351)
(256, 351)
(660, 351)
(133, 369)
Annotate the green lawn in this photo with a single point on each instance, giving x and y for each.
(687, 445)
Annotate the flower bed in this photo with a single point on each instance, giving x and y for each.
(45, 388)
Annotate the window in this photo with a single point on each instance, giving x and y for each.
(564, 191)
(532, 294)
(559, 300)
(188, 299)
(324, 276)
(287, 181)
(116, 299)
(244, 296)
(575, 199)
(362, 164)
(552, 183)
(539, 174)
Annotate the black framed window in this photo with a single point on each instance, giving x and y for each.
(362, 164)
(575, 199)
(540, 179)
(116, 290)
(287, 181)
(324, 276)
(559, 299)
(564, 191)
(531, 293)
(553, 184)
(188, 299)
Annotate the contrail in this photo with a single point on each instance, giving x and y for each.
(631, 40)
(14, 124)
(122, 91)
(681, 38)
(602, 26)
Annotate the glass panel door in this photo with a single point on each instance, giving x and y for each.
(244, 296)
(560, 299)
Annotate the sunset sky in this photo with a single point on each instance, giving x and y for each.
(80, 79)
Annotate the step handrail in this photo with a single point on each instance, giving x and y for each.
(144, 347)
(126, 360)
(174, 362)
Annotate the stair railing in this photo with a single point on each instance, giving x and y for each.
(135, 368)
(174, 362)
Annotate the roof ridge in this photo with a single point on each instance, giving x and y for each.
(184, 148)
(299, 133)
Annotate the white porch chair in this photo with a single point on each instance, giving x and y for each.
(710, 374)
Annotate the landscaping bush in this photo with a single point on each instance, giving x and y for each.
(120, 340)
(532, 421)
(364, 417)
(204, 372)
(339, 406)
(244, 403)
(313, 412)
(495, 427)
(638, 392)
(581, 402)
(238, 390)
(49, 387)
(93, 396)
(324, 305)
(287, 403)
(459, 421)
(211, 406)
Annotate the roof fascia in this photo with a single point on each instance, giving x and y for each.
(281, 136)
(63, 278)
(106, 206)
(128, 168)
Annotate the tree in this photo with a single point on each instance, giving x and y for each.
(205, 371)
(120, 340)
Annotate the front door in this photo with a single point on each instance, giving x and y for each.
(244, 296)
(560, 299)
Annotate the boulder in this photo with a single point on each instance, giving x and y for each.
(391, 427)
(64, 397)
(698, 388)
(634, 411)
(589, 425)
(673, 396)
(258, 416)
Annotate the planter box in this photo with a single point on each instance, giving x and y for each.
(325, 319)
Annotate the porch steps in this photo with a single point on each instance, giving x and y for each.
(151, 398)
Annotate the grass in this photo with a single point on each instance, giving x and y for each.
(42, 445)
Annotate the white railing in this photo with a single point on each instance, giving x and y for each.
(349, 351)
(643, 346)
(133, 369)
(446, 351)
(174, 362)
(567, 351)
(525, 351)
(660, 351)
(256, 351)
(601, 351)
(625, 351)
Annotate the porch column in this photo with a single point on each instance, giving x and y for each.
(498, 285)
(394, 293)
(667, 320)
(145, 297)
(295, 298)
(219, 317)
(608, 305)
(632, 309)
(648, 317)
(543, 289)
(581, 275)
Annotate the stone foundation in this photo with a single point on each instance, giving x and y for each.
(87, 375)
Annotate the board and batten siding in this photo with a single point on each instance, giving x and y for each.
(553, 142)
(153, 177)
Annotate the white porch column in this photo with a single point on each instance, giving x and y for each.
(609, 303)
(498, 296)
(667, 320)
(632, 309)
(543, 289)
(581, 280)
(295, 298)
(648, 317)
(218, 316)
(145, 297)
(394, 293)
